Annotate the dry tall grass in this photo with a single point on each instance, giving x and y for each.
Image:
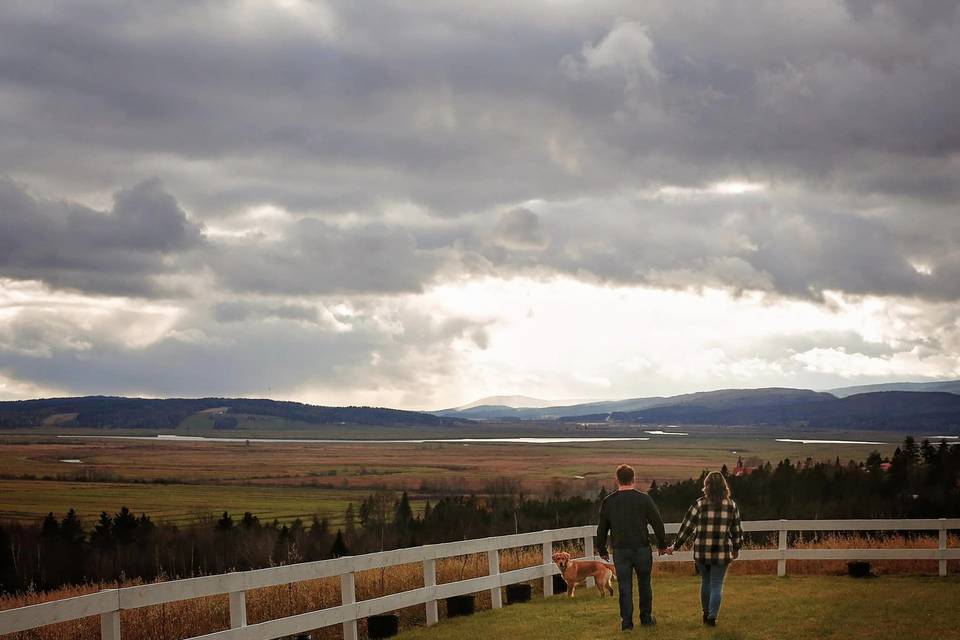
(203, 615)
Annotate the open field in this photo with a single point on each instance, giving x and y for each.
(183, 480)
(754, 607)
(25, 500)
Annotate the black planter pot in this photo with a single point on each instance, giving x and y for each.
(383, 626)
(559, 585)
(518, 593)
(460, 606)
(859, 569)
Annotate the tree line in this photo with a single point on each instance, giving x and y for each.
(919, 480)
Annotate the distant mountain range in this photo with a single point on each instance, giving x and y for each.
(748, 397)
(904, 410)
(143, 413)
(508, 401)
(923, 406)
(953, 386)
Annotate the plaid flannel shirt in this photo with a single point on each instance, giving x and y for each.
(715, 529)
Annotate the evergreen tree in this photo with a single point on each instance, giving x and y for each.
(350, 522)
(403, 514)
(911, 452)
(71, 529)
(249, 521)
(225, 523)
(124, 526)
(339, 548)
(102, 536)
(50, 528)
(9, 581)
(319, 527)
(72, 542)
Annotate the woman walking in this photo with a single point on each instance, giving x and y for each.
(713, 523)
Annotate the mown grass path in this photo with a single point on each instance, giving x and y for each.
(754, 607)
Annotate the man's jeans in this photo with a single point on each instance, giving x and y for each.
(628, 561)
(711, 587)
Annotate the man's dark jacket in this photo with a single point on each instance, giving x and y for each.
(627, 513)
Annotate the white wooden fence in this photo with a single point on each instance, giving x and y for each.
(110, 602)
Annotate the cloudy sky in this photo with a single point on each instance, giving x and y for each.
(418, 204)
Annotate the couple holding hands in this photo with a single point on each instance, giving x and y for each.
(712, 523)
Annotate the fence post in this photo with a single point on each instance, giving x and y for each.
(493, 560)
(348, 595)
(588, 554)
(110, 625)
(547, 564)
(430, 580)
(238, 609)
(943, 547)
(782, 546)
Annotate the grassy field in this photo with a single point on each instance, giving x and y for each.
(24, 500)
(754, 607)
(42, 472)
(752, 594)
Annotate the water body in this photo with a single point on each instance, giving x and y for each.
(519, 440)
(799, 441)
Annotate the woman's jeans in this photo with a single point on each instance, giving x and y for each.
(628, 562)
(711, 587)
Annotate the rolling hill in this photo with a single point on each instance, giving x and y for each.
(902, 410)
(952, 386)
(905, 410)
(746, 397)
(148, 413)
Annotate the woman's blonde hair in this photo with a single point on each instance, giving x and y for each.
(715, 487)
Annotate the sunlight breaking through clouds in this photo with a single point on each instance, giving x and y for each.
(420, 205)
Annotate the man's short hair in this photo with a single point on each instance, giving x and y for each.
(625, 474)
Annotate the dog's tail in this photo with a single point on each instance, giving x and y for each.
(613, 569)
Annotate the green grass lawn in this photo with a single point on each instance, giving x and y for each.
(754, 607)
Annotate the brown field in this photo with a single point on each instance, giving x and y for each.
(205, 615)
(181, 480)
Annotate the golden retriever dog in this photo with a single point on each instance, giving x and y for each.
(574, 571)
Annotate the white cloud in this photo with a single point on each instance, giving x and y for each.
(909, 364)
(626, 51)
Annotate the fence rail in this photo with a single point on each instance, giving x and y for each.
(110, 602)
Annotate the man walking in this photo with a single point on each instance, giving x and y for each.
(626, 513)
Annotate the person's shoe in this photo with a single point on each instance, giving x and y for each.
(704, 617)
(626, 626)
(648, 622)
(710, 622)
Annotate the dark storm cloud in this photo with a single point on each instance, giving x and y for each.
(317, 258)
(922, 14)
(519, 229)
(471, 112)
(74, 247)
(789, 245)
